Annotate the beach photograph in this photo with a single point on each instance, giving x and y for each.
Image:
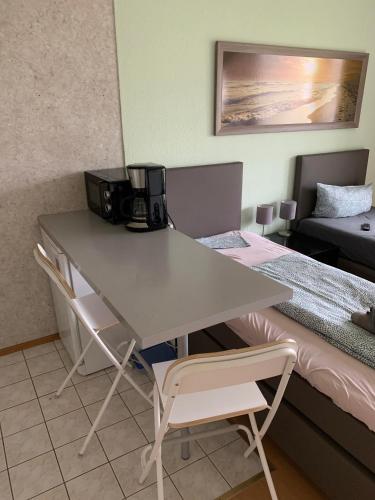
(260, 89)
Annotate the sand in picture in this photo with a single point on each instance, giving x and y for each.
(263, 89)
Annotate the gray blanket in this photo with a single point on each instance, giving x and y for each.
(323, 300)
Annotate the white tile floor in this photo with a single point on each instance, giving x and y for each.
(41, 436)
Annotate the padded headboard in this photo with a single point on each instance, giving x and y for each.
(206, 199)
(344, 168)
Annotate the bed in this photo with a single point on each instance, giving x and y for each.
(357, 247)
(347, 381)
(331, 442)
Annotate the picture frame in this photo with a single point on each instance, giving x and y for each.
(267, 88)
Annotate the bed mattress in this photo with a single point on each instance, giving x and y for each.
(348, 382)
(345, 233)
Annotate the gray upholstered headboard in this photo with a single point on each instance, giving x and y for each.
(343, 168)
(206, 199)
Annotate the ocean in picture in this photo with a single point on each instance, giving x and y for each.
(250, 102)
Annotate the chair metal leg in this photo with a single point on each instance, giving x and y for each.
(137, 388)
(262, 456)
(159, 465)
(159, 473)
(144, 363)
(139, 358)
(250, 449)
(159, 435)
(107, 399)
(205, 434)
(72, 371)
(182, 351)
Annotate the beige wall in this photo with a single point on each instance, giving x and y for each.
(59, 115)
(166, 65)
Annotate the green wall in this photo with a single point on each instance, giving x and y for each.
(166, 52)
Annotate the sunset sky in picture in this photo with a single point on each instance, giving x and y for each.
(266, 67)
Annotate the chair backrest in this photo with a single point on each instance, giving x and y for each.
(77, 306)
(50, 268)
(204, 372)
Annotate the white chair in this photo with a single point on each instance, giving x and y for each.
(97, 320)
(210, 387)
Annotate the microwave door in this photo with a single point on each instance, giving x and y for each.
(93, 189)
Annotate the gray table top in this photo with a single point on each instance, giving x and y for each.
(161, 284)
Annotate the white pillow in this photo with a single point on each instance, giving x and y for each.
(342, 201)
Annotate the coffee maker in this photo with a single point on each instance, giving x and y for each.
(148, 210)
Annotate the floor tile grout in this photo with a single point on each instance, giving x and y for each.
(223, 446)
(29, 459)
(16, 382)
(178, 491)
(68, 369)
(74, 440)
(23, 402)
(101, 445)
(50, 489)
(131, 415)
(25, 360)
(6, 461)
(109, 461)
(11, 363)
(33, 357)
(72, 411)
(62, 414)
(85, 406)
(131, 451)
(140, 428)
(32, 378)
(53, 449)
(83, 473)
(217, 470)
(102, 428)
(102, 372)
(25, 429)
(37, 396)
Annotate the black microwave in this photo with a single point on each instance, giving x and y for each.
(109, 194)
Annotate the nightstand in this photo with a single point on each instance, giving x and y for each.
(316, 249)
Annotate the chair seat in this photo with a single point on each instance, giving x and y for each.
(96, 313)
(200, 407)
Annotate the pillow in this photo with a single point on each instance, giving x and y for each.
(342, 201)
(223, 241)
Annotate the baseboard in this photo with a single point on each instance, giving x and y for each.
(28, 344)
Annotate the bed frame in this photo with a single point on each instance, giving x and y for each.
(343, 168)
(334, 449)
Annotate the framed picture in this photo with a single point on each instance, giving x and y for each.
(264, 88)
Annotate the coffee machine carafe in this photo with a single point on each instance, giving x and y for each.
(149, 207)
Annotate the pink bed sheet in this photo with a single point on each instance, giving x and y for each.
(348, 382)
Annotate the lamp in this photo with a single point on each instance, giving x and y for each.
(287, 212)
(264, 215)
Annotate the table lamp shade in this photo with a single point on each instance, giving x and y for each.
(288, 210)
(264, 214)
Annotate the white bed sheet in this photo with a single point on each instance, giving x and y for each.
(348, 382)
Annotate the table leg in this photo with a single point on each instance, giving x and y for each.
(183, 346)
(182, 351)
